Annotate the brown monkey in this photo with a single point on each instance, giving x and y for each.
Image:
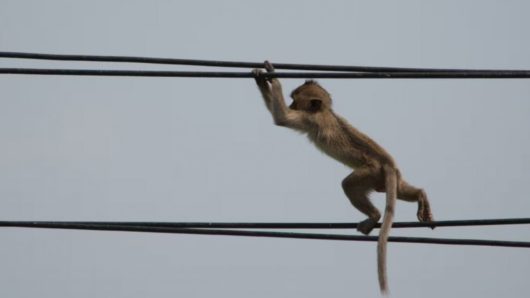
(374, 168)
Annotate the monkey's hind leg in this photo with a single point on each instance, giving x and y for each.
(357, 186)
(409, 193)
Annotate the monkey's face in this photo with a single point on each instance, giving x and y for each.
(310, 97)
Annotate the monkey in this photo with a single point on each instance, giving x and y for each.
(374, 169)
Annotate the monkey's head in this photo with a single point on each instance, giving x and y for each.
(310, 97)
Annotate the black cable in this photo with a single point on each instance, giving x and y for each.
(98, 227)
(194, 62)
(522, 74)
(274, 225)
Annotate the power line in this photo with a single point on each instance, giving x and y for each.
(231, 64)
(292, 235)
(190, 228)
(507, 74)
(275, 225)
(343, 71)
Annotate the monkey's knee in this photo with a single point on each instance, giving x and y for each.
(356, 192)
(356, 182)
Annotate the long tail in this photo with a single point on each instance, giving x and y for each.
(391, 182)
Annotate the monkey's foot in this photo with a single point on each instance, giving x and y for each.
(366, 226)
(425, 215)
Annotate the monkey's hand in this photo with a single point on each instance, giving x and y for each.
(271, 89)
(276, 87)
(268, 66)
(264, 86)
(260, 79)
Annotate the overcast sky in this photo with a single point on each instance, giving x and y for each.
(178, 149)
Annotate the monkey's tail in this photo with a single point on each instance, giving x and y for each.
(391, 184)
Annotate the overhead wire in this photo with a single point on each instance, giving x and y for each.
(132, 227)
(337, 71)
(231, 64)
(287, 75)
(277, 225)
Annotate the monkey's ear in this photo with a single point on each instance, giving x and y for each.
(315, 105)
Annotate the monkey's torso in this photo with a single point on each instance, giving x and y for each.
(333, 136)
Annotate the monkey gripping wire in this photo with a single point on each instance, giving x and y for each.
(209, 228)
(340, 71)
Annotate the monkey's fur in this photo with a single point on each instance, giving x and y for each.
(374, 168)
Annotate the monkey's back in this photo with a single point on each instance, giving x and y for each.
(335, 137)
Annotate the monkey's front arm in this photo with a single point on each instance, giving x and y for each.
(271, 90)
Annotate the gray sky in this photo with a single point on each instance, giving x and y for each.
(176, 149)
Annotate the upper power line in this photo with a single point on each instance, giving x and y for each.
(231, 64)
(289, 75)
(339, 71)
